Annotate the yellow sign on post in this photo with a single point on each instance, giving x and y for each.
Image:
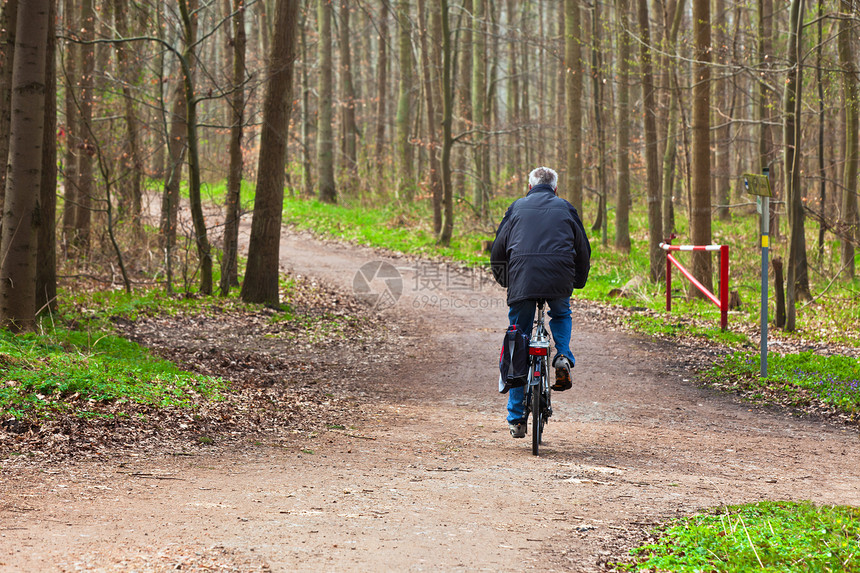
(758, 185)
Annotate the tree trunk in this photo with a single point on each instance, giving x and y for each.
(797, 276)
(176, 145)
(307, 124)
(700, 199)
(852, 153)
(18, 239)
(229, 265)
(597, 95)
(447, 117)
(622, 206)
(655, 219)
(464, 102)
(403, 122)
(381, 90)
(779, 292)
(195, 203)
(70, 104)
(479, 97)
(325, 136)
(513, 163)
(432, 139)
(46, 250)
(573, 95)
(822, 173)
(347, 95)
(8, 22)
(766, 146)
(86, 184)
(722, 131)
(132, 164)
(670, 151)
(261, 278)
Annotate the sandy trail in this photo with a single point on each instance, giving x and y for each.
(431, 480)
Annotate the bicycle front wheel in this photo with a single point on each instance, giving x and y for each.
(537, 418)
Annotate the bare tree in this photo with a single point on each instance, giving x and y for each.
(18, 239)
(8, 20)
(649, 111)
(261, 277)
(447, 139)
(229, 265)
(85, 182)
(46, 250)
(432, 139)
(347, 94)
(381, 88)
(573, 95)
(325, 143)
(851, 93)
(797, 278)
(622, 206)
(700, 208)
(405, 185)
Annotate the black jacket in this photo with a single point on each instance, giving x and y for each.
(541, 249)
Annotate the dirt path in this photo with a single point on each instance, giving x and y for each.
(431, 480)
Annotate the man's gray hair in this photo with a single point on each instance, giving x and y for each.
(543, 175)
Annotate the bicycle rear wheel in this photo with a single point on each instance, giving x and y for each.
(537, 419)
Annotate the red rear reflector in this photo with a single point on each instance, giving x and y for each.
(537, 351)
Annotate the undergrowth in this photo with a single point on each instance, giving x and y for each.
(74, 371)
(794, 380)
(764, 536)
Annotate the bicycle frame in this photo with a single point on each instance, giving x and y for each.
(537, 397)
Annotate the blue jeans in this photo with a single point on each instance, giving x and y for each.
(523, 315)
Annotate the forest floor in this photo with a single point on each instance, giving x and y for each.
(384, 446)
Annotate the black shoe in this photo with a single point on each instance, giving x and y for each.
(518, 430)
(562, 374)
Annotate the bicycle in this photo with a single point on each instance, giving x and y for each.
(538, 396)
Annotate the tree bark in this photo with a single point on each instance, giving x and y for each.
(86, 184)
(479, 98)
(347, 94)
(18, 239)
(722, 131)
(622, 206)
(381, 90)
(8, 21)
(464, 101)
(447, 118)
(201, 239)
(229, 264)
(670, 151)
(797, 275)
(432, 139)
(261, 278)
(573, 95)
(132, 164)
(700, 207)
(655, 219)
(600, 221)
(851, 95)
(46, 249)
(325, 136)
(403, 122)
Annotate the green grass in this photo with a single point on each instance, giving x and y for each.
(793, 379)
(667, 326)
(394, 226)
(74, 371)
(764, 536)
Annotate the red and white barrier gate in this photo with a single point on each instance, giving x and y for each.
(723, 302)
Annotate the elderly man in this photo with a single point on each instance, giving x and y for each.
(541, 251)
